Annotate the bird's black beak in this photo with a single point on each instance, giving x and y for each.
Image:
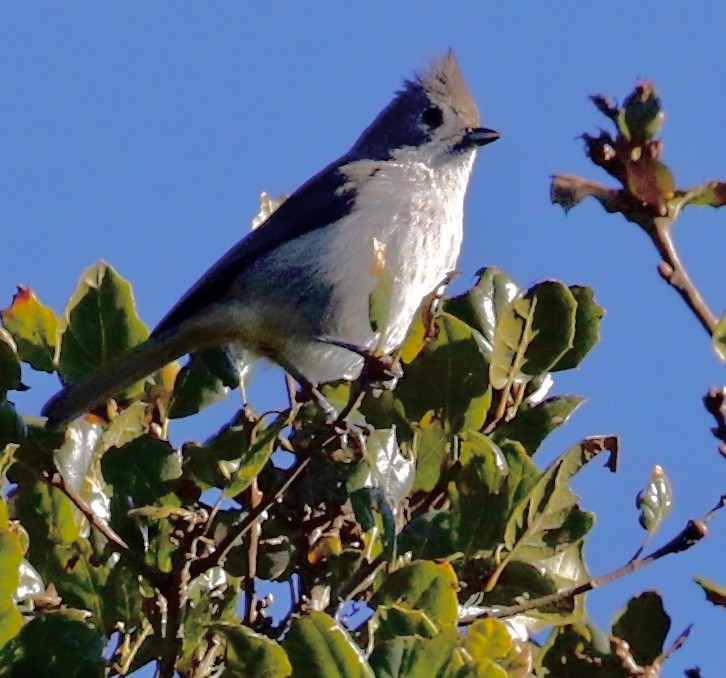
(477, 136)
(480, 136)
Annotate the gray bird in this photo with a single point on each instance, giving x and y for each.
(339, 270)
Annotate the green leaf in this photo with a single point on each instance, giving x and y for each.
(236, 455)
(533, 334)
(483, 497)
(251, 654)
(9, 365)
(719, 338)
(54, 644)
(416, 657)
(384, 468)
(34, 328)
(12, 428)
(207, 377)
(583, 650)
(655, 500)
(449, 377)
(99, 324)
(488, 639)
(144, 469)
(122, 597)
(392, 621)
(644, 624)
(423, 585)
(547, 520)
(482, 305)
(714, 593)
(587, 328)
(319, 648)
(712, 194)
(432, 447)
(11, 556)
(534, 423)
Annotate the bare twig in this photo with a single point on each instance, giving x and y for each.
(56, 480)
(673, 271)
(238, 531)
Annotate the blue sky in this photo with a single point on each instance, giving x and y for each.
(143, 134)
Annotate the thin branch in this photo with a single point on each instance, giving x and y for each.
(237, 532)
(56, 480)
(694, 531)
(673, 271)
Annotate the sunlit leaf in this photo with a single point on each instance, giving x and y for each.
(422, 585)
(432, 447)
(547, 519)
(251, 654)
(34, 328)
(481, 306)
(715, 593)
(655, 500)
(391, 621)
(417, 657)
(533, 334)
(99, 324)
(449, 377)
(488, 639)
(319, 648)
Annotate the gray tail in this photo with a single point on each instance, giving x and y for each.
(129, 368)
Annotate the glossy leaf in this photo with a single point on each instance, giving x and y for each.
(384, 468)
(547, 519)
(11, 557)
(392, 621)
(644, 624)
(655, 500)
(432, 446)
(416, 657)
(251, 654)
(319, 648)
(481, 306)
(423, 585)
(449, 377)
(587, 328)
(533, 334)
(207, 377)
(485, 493)
(534, 423)
(34, 328)
(99, 324)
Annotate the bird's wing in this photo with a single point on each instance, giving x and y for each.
(322, 200)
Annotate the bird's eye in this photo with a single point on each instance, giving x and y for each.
(432, 117)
